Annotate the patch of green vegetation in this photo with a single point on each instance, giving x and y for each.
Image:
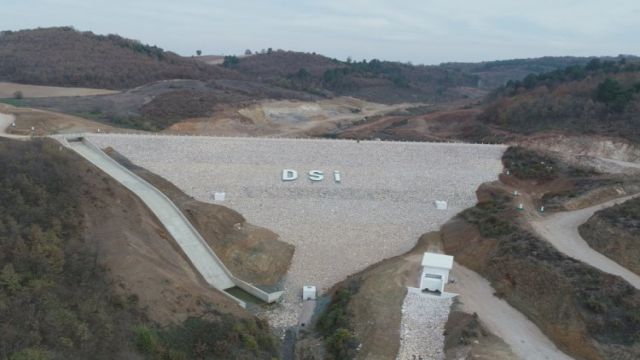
(230, 61)
(489, 217)
(128, 122)
(615, 95)
(198, 338)
(334, 324)
(527, 164)
(14, 102)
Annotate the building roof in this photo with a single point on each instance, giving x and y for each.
(435, 260)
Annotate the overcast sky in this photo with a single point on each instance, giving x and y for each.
(420, 31)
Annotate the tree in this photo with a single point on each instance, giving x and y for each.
(18, 95)
(9, 279)
(593, 64)
(230, 61)
(247, 52)
(613, 94)
(199, 52)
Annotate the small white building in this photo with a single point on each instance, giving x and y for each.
(435, 271)
(308, 292)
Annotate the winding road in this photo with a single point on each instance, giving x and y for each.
(561, 230)
(524, 338)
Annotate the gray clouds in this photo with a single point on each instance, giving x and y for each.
(421, 31)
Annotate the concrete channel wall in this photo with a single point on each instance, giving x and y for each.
(188, 238)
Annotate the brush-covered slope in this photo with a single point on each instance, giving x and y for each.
(602, 97)
(373, 80)
(66, 57)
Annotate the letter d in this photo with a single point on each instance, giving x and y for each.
(289, 175)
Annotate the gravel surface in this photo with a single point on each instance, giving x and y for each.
(384, 202)
(422, 326)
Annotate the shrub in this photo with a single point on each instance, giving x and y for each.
(31, 354)
(146, 340)
(334, 324)
(529, 165)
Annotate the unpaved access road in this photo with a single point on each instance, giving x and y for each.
(561, 230)
(523, 336)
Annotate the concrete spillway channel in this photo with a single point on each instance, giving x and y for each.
(188, 238)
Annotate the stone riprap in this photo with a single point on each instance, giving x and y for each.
(422, 326)
(384, 202)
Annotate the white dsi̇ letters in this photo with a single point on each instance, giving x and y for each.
(314, 175)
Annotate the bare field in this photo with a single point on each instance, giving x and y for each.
(48, 122)
(290, 118)
(7, 90)
(380, 208)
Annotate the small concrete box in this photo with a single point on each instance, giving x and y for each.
(308, 292)
(441, 204)
(435, 271)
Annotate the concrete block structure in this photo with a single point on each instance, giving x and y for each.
(308, 292)
(435, 271)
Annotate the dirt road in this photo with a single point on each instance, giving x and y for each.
(524, 337)
(8, 90)
(561, 230)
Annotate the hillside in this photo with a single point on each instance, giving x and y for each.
(374, 80)
(599, 98)
(493, 74)
(588, 313)
(66, 57)
(87, 272)
(615, 232)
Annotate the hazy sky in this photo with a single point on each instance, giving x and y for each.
(421, 31)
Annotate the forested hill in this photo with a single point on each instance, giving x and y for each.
(493, 74)
(601, 97)
(374, 80)
(66, 57)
